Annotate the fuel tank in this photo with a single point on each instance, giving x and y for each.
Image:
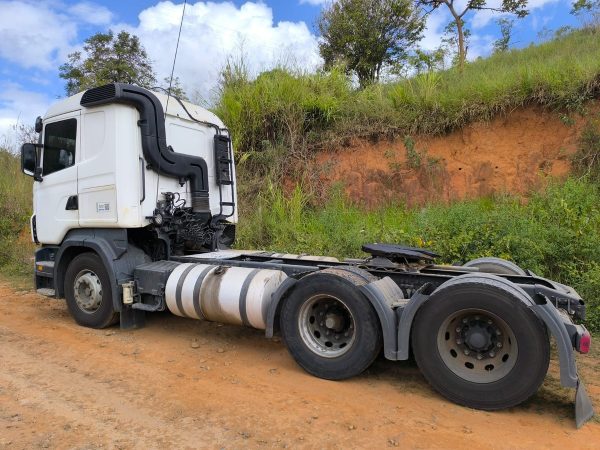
(233, 295)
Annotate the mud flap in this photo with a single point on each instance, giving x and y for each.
(558, 324)
(584, 410)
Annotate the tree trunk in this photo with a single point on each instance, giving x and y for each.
(461, 45)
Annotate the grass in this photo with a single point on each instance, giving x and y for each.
(282, 113)
(555, 233)
(16, 248)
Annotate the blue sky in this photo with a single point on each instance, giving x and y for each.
(37, 36)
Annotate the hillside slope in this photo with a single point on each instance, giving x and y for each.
(514, 153)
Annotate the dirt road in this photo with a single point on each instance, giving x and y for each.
(186, 384)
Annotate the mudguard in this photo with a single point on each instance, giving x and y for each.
(282, 291)
(384, 295)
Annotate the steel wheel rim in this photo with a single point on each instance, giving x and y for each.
(327, 326)
(477, 345)
(88, 291)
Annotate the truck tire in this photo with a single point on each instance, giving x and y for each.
(88, 292)
(479, 345)
(329, 326)
(491, 264)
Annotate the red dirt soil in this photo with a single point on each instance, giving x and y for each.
(64, 386)
(516, 154)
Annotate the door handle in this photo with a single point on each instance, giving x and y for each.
(72, 203)
(143, 181)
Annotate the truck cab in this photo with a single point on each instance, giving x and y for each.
(92, 171)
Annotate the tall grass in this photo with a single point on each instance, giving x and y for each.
(555, 233)
(294, 112)
(16, 249)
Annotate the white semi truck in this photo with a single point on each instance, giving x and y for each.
(135, 211)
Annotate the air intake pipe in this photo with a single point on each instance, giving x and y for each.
(161, 157)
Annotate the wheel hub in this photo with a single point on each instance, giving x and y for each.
(477, 345)
(88, 291)
(478, 337)
(326, 326)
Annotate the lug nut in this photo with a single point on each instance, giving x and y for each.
(458, 329)
(499, 345)
(489, 321)
(492, 354)
(459, 341)
(466, 352)
(479, 356)
(465, 320)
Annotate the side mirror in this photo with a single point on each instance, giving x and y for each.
(29, 161)
(39, 125)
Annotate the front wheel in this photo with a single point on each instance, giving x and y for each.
(88, 292)
(329, 327)
(479, 345)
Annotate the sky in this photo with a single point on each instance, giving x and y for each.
(36, 37)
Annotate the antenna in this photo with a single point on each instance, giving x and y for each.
(171, 83)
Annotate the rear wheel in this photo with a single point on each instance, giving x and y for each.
(491, 264)
(88, 293)
(329, 327)
(479, 345)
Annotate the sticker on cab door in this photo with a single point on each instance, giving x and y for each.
(102, 207)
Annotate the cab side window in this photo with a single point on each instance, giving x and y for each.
(59, 145)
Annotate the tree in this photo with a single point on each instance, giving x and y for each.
(176, 89)
(503, 43)
(450, 41)
(367, 35)
(424, 61)
(516, 7)
(108, 59)
(588, 11)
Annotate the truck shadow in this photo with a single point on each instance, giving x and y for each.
(551, 400)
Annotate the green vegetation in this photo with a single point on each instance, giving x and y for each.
(369, 36)
(16, 249)
(458, 13)
(555, 233)
(587, 159)
(286, 114)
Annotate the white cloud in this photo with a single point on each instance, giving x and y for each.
(91, 13)
(41, 34)
(315, 2)
(434, 29)
(33, 35)
(482, 18)
(18, 105)
(213, 31)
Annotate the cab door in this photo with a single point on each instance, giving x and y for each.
(56, 204)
